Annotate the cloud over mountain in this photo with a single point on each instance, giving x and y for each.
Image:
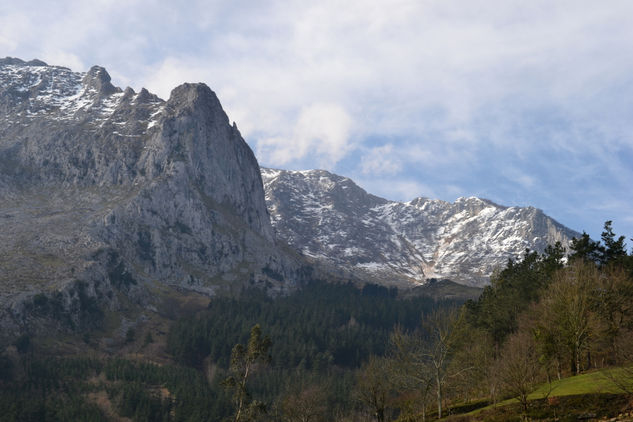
(497, 99)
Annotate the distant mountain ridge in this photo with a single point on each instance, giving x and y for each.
(331, 219)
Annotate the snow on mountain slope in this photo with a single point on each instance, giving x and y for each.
(33, 89)
(330, 218)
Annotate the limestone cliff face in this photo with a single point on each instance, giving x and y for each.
(111, 186)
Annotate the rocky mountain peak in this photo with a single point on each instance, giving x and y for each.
(144, 97)
(474, 205)
(327, 188)
(198, 98)
(98, 78)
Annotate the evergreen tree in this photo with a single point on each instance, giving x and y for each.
(614, 250)
(584, 248)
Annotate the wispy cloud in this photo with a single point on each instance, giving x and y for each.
(380, 161)
(434, 94)
(397, 188)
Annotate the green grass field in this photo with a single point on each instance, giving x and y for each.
(595, 382)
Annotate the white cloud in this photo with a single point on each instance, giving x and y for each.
(403, 67)
(10, 24)
(381, 161)
(63, 58)
(321, 130)
(397, 188)
(452, 86)
(524, 180)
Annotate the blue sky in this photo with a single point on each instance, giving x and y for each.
(523, 103)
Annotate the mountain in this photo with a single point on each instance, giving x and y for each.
(332, 220)
(109, 193)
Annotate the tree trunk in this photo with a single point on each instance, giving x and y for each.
(439, 394)
(588, 359)
(577, 358)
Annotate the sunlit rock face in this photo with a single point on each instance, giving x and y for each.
(331, 219)
(112, 186)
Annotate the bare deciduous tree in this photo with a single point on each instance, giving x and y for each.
(374, 386)
(307, 405)
(614, 305)
(519, 367)
(566, 306)
(442, 338)
(622, 377)
(411, 368)
(424, 360)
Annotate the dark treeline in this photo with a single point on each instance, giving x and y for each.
(320, 336)
(524, 282)
(68, 389)
(34, 389)
(322, 324)
(598, 272)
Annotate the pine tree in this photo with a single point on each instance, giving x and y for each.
(585, 248)
(614, 250)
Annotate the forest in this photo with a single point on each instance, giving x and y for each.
(341, 352)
